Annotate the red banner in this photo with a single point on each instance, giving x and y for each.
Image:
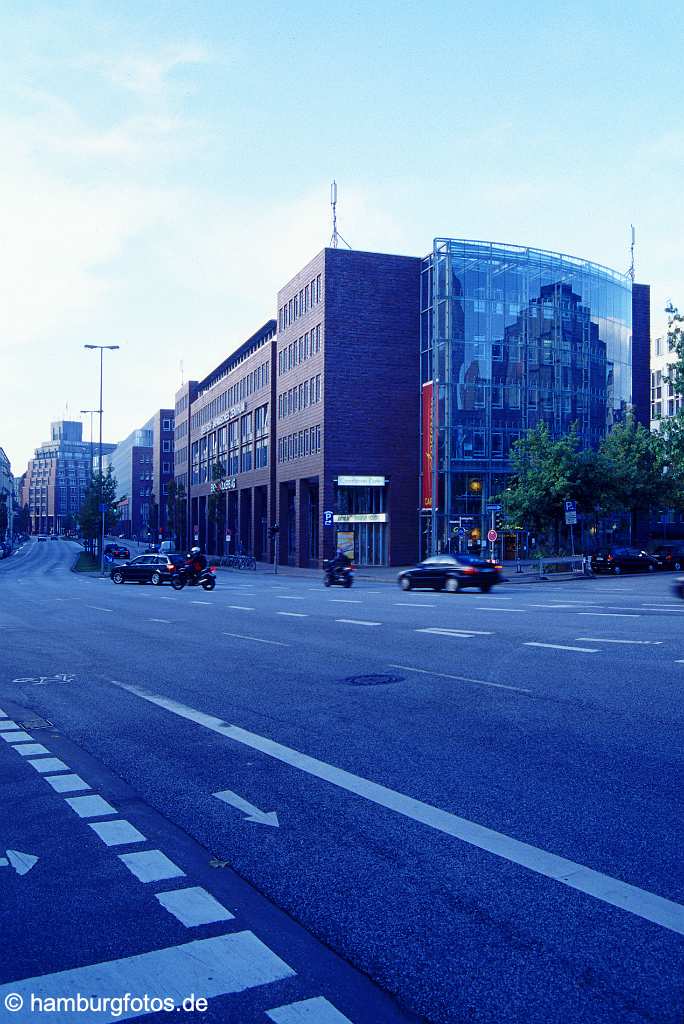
(427, 434)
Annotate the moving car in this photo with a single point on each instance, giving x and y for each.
(670, 556)
(452, 573)
(619, 560)
(117, 551)
(678, 586)
(155, 569)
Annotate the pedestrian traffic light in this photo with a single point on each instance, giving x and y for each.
(275, 529)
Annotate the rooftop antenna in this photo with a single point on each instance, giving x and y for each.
(181, 373)
(336, 237)
(630, 272)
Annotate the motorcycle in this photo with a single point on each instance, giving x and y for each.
(337, 575)
(185, 577)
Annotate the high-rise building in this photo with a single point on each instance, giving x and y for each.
(131, 464)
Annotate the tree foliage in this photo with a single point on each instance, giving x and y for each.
(675, 343)
(90, 516)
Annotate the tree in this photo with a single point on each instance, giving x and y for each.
(4, 515)
(90, 517)
(22, 520)
(675, 344)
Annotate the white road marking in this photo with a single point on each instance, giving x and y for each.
(412, 604)
(67, 783)
(3, 714)
(611, 615)
(31, 749)
(8, 724)
(679, 661)
(90, 806)
(359, 622)
(97, 608)
(257, 639)
(150, 865)
(555, 606)
(252, 813)
(563, 647)
(461, 679)
(455, 632)
(345, 600)
(166, 621)
(117, 833)
(240, 608)
(295, 615)
(612, 891)
(15, 737)
(50, 764)
(485, 608)
(308, 1011)
(606, 640)
(210, 967)
(201, 602)
(288, 597)
(193, 906)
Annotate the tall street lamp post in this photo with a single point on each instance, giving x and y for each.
(101, 349)
(92, 413)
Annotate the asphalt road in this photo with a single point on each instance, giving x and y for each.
(478, 797)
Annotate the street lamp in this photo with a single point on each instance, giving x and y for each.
(101, 349)
(92, 413)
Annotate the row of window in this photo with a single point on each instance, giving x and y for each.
(299, 444)
(300, 303)
(237, 460)
(167, 424)
(181, 430)
(299, 397)
(242, 389)
(181, 404)
(299, 350)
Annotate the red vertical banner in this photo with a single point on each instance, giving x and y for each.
(428, 442)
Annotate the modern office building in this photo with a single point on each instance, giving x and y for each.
(347, 409)
(131, 463)
(512, 337)
(162, 427)
(57, 478)
(224, 433)
(664, 402)
(7, 492)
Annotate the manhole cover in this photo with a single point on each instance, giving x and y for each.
(35, 723)
(373, 680)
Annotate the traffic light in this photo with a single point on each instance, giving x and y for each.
(274, 530)
(499, 520)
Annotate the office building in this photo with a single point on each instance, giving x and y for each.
(7, 497)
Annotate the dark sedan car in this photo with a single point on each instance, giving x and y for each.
(620, 560)
(452, 573)
(117, 551)
(155, 569)
(670, 557)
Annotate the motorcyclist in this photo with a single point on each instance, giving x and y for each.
(339, 563)
(196, 562)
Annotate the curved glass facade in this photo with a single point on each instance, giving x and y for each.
(510, 337)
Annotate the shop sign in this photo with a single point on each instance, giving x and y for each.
(362, 517)
(229, 414)
(427, 454)
(345, 543)
(361, 481)
(229, 484)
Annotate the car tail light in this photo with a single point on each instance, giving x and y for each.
(469, 570)
(212, 568)
(609, 558)
(497, 566)
(170, 566)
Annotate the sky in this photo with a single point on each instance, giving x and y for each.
(165, 167)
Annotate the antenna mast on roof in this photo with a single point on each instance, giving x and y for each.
(336, 237)
(630, 272)
(181, 373)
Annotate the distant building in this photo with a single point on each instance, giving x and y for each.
(664, 401)
(7, 494)
(131, 464)
(57, 478)
(162, 427)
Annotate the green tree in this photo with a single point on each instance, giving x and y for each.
(90, 516)
(675, 343)
(22, 520)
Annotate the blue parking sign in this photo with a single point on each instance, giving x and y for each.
(327, 518)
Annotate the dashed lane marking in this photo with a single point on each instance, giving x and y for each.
(257, 639)
(611, 615)
(97, 608)
(213, 967)
(485, 608)
(607, 640)
(457, 632)
(345, 600)
(461, 679)
(90, 806)
(294, 615)
(50, 764)
(240, 608)
(193, 906)
(31, 749)
(359, 622)
(308, 1011)
(150, 865)
(67, 783)
(412, 604)
(165, 621)
(117, 833)
(563, 647)
(612, 891)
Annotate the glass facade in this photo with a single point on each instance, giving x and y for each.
(510, 337)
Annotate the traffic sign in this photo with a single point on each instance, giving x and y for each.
(570, 512)
(493, 508)
(461, 532)
(327, 518)
(492, 535)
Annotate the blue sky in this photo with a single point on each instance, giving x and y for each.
(166, 167)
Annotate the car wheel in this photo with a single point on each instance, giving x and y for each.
(452, 586)
(117, 577)
(405, 583)
(617, 570)
(651, 567)
(678, 566)
(156, 579)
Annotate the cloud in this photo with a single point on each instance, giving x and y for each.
(145, 75)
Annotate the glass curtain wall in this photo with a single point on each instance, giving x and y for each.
(510, 337)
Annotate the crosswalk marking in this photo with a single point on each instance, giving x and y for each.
(308, 1011)
(150, 865)
(193, 906)
(117, 833)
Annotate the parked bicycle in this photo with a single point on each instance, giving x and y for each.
(239, 562)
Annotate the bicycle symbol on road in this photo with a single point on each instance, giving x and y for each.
(59, 677)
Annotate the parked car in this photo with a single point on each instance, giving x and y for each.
(452, 573)
(678, 586)
(41, 538)
(117, 551)
(619, 560)
(155, 569)
(670, 556)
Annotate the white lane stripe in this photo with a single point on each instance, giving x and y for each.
(15, 737)
(201, 602)
(611, 615)
(50, 764)
(117, 833)
(412, 604)
(193, 906)
(461, 679)
(563, 647)
(295, 615)
(443, 631)
(31, 749)
(612, 891)
(308, 1011)
(67, 783)
(240, 608)
(150, 865)
(607, 640)
(486, 608)
(359, 622)
(3, 714)
(345, 600)
(8, 724)
(166, 621)
(97, 608)
(90, 806)
(288, 597)
(257, 639)
(213, 967)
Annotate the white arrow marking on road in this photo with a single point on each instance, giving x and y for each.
(253, 813)
(613, 891)
(21, 862)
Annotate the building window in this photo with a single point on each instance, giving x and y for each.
(166, 446)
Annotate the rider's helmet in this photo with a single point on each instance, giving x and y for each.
(195, 551)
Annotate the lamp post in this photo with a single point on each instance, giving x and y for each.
(101, 349)
(92, 413)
